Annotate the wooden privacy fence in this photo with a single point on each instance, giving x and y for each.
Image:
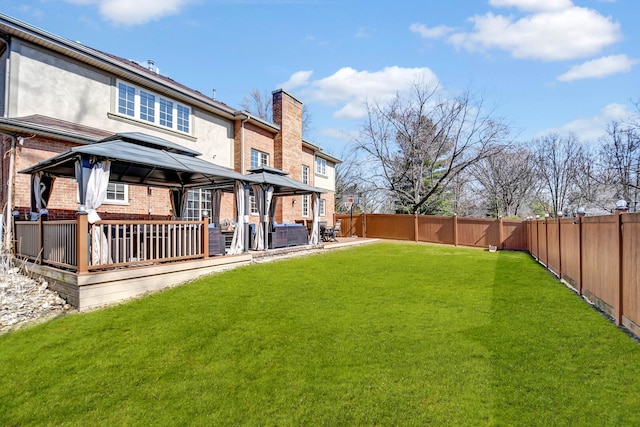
(599, 256)
(504, 234)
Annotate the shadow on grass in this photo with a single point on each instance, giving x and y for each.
(553, 359)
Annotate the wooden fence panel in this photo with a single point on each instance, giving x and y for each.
(600, 259)
(436, 229)
(570, 250)
(478, 232)
(515, 235)
(351, 228)
(533, 239)
(542, 242)
(631, 269)
(383, 226)
(553, 246)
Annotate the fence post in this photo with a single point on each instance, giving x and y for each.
(82, 236)
(619, 295)
(546, 240)
(455, 229)
(415, 227)
(559, 248)
(580, 216)
(500, 233)
(364, 224)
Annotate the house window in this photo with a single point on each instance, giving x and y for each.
(321, 166)
(197, 201)
(166, 113)
(305, 205)
(258, 159)
(126, 99)
(147, 106)
(253, 206)
(117, 193)
(183, 118)
(323, 211)
(152, 108)
(305, 174)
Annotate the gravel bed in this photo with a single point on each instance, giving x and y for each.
(24, 300)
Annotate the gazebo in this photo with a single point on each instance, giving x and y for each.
(140, 159)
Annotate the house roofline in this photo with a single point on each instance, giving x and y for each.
(318, 151)
(111, 63)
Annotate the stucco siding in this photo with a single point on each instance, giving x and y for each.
(50, 85)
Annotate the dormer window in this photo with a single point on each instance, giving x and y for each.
(152, 108)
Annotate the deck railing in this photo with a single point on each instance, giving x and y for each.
(109, 244)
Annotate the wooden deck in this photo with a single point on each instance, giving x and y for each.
(134, 257)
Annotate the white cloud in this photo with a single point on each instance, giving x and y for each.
(598, 68)
(593, 128)
(297, 79)
(533, 5)
(430, 33)
(553, 35)
(127, 12)
(348, 89)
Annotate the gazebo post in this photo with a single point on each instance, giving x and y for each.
(247, 187)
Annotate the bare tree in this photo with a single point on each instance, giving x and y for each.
(507, 180)
(350, 180)
(559, 162)
(620, 156)
(260, 104)
(417, 145)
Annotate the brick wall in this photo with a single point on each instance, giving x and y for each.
(143, 203)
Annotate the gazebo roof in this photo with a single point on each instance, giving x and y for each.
(283, 185)
(141, 159)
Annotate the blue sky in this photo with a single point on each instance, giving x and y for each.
(544, 65)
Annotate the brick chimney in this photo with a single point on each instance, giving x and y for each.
(287, 113)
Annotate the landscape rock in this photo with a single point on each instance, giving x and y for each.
(24, 300)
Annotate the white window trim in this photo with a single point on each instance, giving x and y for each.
(119, 202)
(156, 117)
(321, 166)
(262, 156)
(306, 208)
(323, 207)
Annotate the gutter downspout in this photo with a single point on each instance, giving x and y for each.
(10, 201)
(248, 116)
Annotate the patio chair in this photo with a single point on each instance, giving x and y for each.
(337, 229)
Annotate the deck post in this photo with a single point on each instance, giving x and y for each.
(205, 237)
(82, 244)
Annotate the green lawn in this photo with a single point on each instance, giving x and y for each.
(384, 334)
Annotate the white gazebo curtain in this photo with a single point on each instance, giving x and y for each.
(179, 200)
(237, 243)
(258, 238)
(93, 180)
(314, 238)
(41, 188)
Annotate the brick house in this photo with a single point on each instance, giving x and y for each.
(57, 94)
